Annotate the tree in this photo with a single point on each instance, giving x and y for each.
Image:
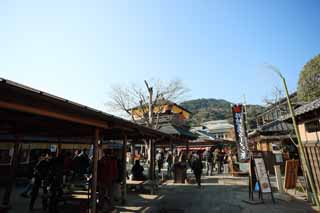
(309, 81)
(124, 98)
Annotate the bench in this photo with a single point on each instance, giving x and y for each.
(148, 185)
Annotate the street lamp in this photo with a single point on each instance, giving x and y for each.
(302, 152)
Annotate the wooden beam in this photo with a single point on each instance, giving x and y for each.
(94, 171)
(56, 115)
(124, 171)
(133, 151)
(187, 147)
(151, 157)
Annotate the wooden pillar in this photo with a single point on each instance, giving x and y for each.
(171, 146)
(59, 149)
(124, 171)
(94, 171)
(12, 175)
(187, 147)
(133, 148)
(152, 159)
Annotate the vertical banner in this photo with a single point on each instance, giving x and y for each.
(239, 120)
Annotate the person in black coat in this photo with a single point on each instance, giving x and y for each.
(196, 166)
(41, 172)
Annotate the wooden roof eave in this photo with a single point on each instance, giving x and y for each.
(27, 100)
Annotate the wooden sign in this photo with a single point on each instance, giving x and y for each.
(291, 174)
(262, 175)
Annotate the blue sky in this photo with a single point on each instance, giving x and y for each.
(77, 49)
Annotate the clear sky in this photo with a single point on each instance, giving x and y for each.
(78, 48)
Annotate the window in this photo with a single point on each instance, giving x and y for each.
(312, 126)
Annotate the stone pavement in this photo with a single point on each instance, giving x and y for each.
(217, 194)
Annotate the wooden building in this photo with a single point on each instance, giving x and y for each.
(29, 116)
(171, 119)
(273, 137)
(308, 119)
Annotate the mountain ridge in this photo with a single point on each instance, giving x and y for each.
(206, 109)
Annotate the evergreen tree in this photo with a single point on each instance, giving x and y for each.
(309, 82)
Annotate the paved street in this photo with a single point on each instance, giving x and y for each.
(216, 195)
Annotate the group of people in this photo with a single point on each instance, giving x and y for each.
(49, 173)
(52, 172)
(218, 160)
(215, 160)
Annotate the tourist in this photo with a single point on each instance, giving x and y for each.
(160, 160)
(215, 157)
(220, 160)
(68, 166)
(41, 171)
(169, 161)
(84, 162)
(137, 171)
(208, 157)
(107, 174)
(196, 166)
(30, 174)
(55, 182)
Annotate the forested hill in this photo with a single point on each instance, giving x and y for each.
(217, 109)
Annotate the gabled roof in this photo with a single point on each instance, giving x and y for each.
(204, 135)
(164, 102)
(281, 101)
(308, 107)
(176, 131)
(304, 109)
(276, 126)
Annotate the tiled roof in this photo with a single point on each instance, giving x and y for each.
(174, 130)
(308, 107)
(314, 105)
(276, 126)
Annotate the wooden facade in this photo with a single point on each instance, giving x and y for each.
(30, 116)
(308, 119)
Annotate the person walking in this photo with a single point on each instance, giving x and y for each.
(41, 171)
(169, 160)
(28, 189)
(215, 157)
(196, 166)
(208, 157)
(159, 159)
(220, 160)
(55, 182)
(107, 174)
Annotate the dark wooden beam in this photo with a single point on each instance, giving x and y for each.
(124, 171)
(52, 114)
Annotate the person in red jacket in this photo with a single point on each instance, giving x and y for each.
(107, 175)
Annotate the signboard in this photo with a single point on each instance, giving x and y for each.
(279, 158)
(239, 120)
(53, 148)
(291, 174)
(262, 175)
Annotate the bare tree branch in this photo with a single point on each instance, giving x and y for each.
(148, 100)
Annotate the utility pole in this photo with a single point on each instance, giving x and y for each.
(296, 129)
